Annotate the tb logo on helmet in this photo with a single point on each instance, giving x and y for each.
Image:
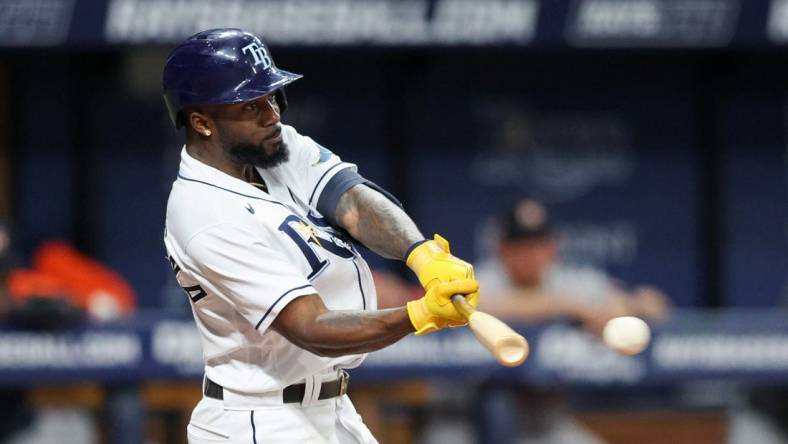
(259, 54)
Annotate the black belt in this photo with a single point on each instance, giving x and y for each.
(291, 393)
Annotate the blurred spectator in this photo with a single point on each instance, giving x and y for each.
(527, 268)
(63, 284)
(527, 282)
(61, 288)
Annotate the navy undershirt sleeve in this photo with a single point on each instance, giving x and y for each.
(385, 193)
(334, 189)
(337, 186)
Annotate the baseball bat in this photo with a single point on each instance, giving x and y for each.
(507, 346)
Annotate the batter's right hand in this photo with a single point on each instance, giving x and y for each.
(435, 309)
(433, 262)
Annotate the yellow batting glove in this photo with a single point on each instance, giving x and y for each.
(435, 310)
(432, 262)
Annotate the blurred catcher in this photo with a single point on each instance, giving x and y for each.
(260, 228)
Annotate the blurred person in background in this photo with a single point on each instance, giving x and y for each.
(60, 289)
(63, 285)
(526, 282)
(527, 267)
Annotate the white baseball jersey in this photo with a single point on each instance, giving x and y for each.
(242, 254)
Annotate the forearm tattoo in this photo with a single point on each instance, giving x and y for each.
(377, 222)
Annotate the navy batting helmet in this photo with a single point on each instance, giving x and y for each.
(221, 66)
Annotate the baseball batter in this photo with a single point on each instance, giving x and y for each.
(260, 227)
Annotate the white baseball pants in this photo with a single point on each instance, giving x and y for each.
(331, 421)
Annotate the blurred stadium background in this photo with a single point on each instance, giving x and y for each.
(655, 131)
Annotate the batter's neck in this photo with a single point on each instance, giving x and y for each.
(217, 158)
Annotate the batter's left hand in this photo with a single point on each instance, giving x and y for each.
(435, 310)
(433, 262)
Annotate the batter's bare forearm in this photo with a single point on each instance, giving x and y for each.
(377, 222)
(351, 332)
(307, 323)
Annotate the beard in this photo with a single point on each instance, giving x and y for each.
(249, 153)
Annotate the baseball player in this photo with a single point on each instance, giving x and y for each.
(260, 229)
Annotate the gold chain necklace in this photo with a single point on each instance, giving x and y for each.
(253, 180)
(260, 186)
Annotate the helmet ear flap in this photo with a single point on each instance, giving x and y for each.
(281, 100)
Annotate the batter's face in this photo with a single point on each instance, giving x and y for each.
(251, 132)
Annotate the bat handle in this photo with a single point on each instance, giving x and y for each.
(465, 309)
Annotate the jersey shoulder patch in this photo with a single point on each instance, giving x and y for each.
(325, 154)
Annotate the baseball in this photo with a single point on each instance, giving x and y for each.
(627, 334)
